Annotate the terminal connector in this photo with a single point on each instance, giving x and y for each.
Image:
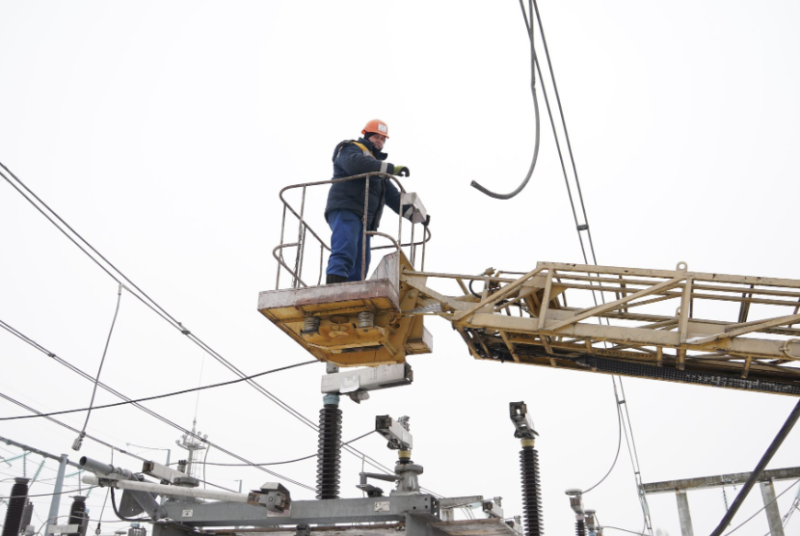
(575, 500)
(356, 383)
(395, 432)
(272, 495)
(162, 472)
(522, 421)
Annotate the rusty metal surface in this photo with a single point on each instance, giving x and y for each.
(327, 294)
(336, 335)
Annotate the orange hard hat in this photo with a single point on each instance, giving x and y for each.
(376, 126)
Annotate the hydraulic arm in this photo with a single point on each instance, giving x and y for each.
(674, 325)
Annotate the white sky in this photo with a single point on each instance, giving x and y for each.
(162, 131)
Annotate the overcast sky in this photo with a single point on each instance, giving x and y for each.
(163, 131)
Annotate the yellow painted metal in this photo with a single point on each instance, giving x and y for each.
(674, 325)
(338, 338)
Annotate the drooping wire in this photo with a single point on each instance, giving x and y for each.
(579, 228)
(537, 121)
(77, 445)
(616, 456)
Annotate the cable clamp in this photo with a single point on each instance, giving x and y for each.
(583, 227)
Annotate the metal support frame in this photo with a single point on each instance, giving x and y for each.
(528, 320)
(771, 509)
(52, 516)
(417, 215)
(681, 486)
(684, 516)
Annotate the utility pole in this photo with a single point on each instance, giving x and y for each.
(52, 517)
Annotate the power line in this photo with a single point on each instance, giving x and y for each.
(761, 509)
(68, 427)
(284, 462)
(62, 492)
(147, 398)
(616, 456)
(167, 421)
(122, 279)
(584, 227)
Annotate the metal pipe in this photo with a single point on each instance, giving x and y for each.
(283, 226)
(42, 453)
(762, 463)
(298, 259)
(282, 262)
(103, 469)
(162, 489)
(364, 229)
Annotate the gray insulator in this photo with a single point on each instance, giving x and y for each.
(366, 319)
(311, 324)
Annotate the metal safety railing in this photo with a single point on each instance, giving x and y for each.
(306, 235)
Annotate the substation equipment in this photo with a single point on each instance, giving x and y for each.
(674, 325)
(406, 509)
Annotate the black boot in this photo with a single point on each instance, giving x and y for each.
(331, 279)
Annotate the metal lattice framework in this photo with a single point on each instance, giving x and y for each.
(723, 330)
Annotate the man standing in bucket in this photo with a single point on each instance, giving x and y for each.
(345, 207)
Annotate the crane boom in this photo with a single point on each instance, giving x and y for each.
(674, 325)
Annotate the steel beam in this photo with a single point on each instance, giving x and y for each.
(684, 515)
(392, 508)
(771, 509)
(789, 473)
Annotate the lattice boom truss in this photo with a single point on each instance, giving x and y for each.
(677, 325)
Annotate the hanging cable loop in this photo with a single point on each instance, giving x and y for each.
(485, 190)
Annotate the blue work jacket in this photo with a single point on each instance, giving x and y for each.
(349, 159)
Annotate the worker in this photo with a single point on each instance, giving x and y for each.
(345, 207)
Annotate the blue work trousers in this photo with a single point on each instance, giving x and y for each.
(345, 259)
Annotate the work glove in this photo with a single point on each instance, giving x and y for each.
(403, 171)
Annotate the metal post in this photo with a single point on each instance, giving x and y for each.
(364, 229)
(283, 226)
(771, 508)
(683, 513)
(52, 517)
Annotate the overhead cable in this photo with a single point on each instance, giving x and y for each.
(475, 184)
(616, 456)
(581, 227)
(756, 474)
(284, 462)
(148, 398)
(79, 440)
(740, 525)
(166, 421)
(68, 427)
(112, 271)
